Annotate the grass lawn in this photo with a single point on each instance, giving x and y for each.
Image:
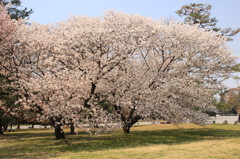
(151, 141)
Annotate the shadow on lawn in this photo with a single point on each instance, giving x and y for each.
(43, 145)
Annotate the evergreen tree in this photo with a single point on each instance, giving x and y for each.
(200, 14)
(14, 10)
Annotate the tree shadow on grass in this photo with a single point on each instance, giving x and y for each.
(44, 145)
(155, 137)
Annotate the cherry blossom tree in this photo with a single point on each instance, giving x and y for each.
(143, 68)
(7, 29)
(8, 26)
(171, 75)
(60, 87)
(178, 70)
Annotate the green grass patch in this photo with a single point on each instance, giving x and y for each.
(151, 141)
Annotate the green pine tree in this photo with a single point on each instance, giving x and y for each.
(14, 10)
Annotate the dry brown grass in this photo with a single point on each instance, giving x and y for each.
(148, 142)
(228, 148)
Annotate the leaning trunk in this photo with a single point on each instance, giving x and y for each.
(59, 132)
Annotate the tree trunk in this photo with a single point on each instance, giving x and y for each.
(11, 126)
(32, 125)
(239, 118)
(59, 132)
(72, 132)
(5, 126)
(126, 127)
(128, 123)
(128, 119)
(18, 124)
(1, 126)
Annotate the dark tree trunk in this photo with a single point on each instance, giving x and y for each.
(59, 132)
(127, 124)
(239, 117)
(18, 124)
(1, 126)
(128, 118)
(72, 128)
(11, 126)
(5, 126)
(126, 127)
(32, 125)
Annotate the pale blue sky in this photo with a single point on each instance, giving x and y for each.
(49, 11)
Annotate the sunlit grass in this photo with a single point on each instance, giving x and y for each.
(152, 141)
